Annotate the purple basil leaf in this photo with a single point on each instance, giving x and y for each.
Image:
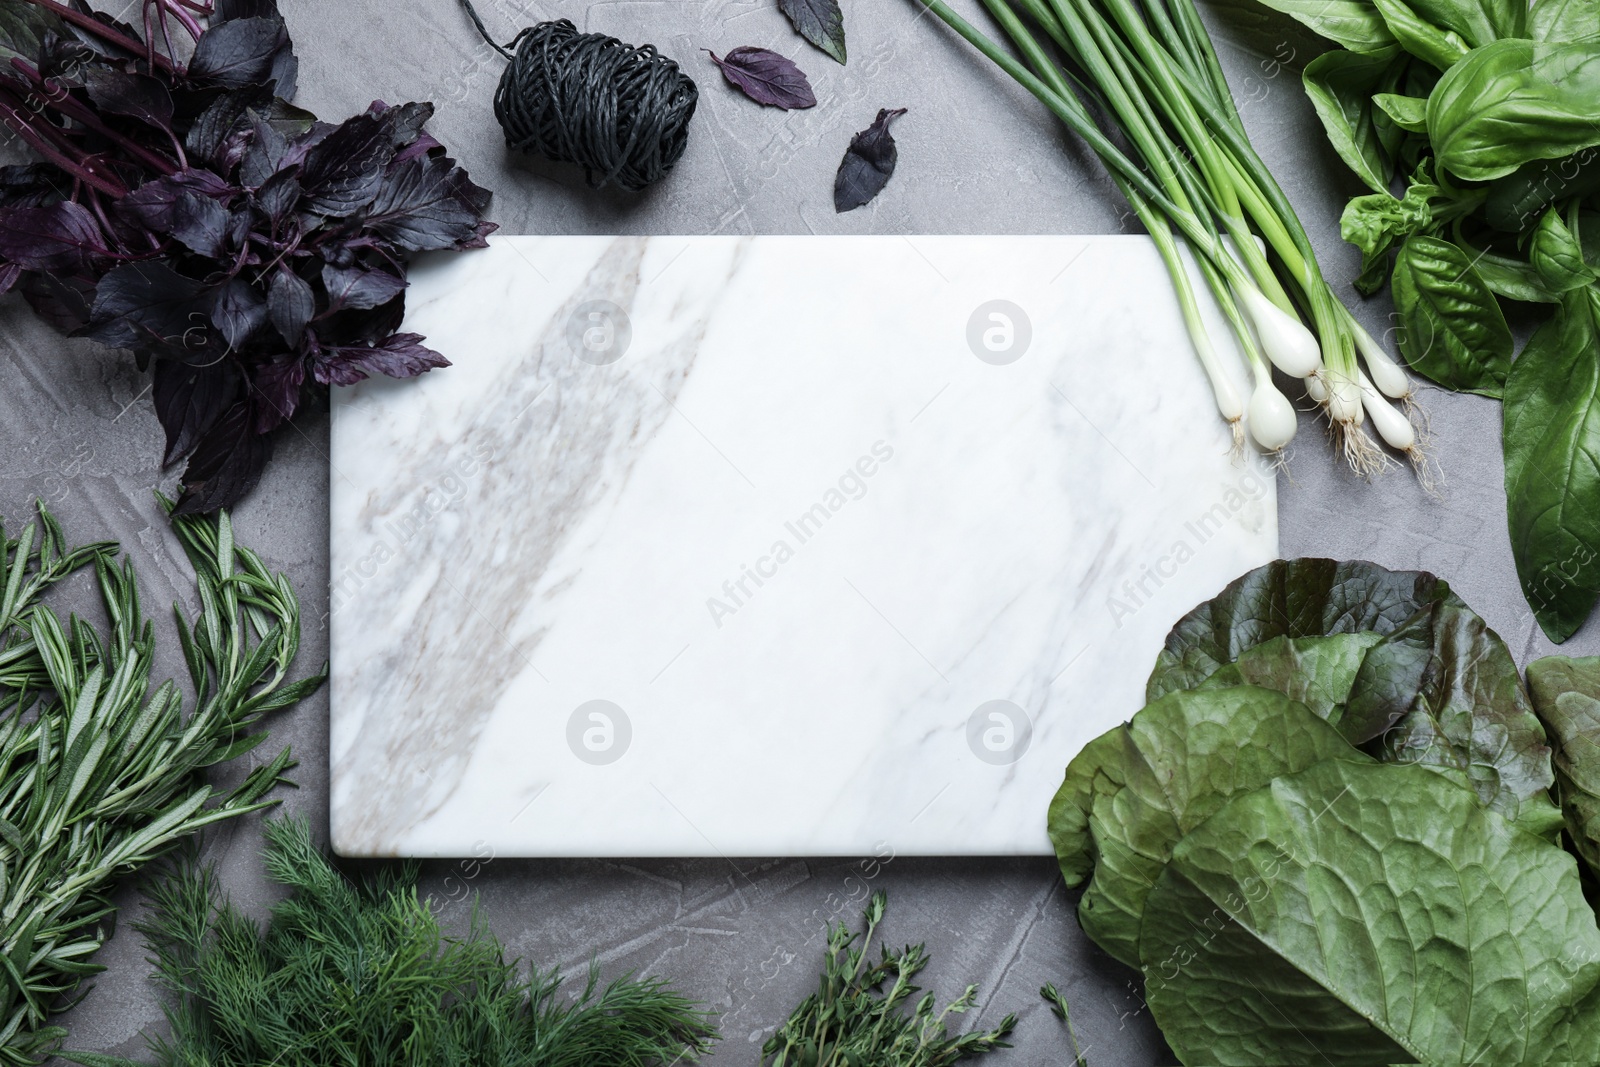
(32, 185)
(137, 96)
(344, 171)
(766, 77)
(868, 163)
(429, 203)
(275, 386)
(400, 356)
(215, 133)
(290, 305)
(358, 289)
(225, 465)
(61, 302)
(239, 53)
(189, 399)
(278, 195)
(200, 223)
(149, 305)
(59, 237)
(9, 275)
(405, 120)
(264, 157)
(94, 42)
(818, 21)
(23, 28)
(239, 312)
(152, 204)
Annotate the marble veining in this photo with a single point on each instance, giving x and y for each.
(734, 546)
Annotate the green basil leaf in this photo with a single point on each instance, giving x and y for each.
(1514, 101)
(1439, 45)
(1181, 758)
(1513, 279)
(1374, 222)
(1516, 202)
(1566, 694)
(1355, 24)
(1407, 112)
(1451, 327)
(1564, 20)
(1551, 436)
(1341, 85)
(1558, 257)
(1367, 914)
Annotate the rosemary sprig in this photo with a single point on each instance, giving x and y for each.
(98, 774)
(850, 1020)
(357, 975)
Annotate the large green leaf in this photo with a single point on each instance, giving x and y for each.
(1551, 436)
(1355, 24)
(1178, 761)
(1439, 687)
(1555, 253)
(1367, 914)
(23, 27)
(1514, 101)
(1430, 42)
(1566, 694)
(1451, 327)
(1564, 20)
(1319, 672)
(1341, 86)
(1288, 598)
(1516, 202)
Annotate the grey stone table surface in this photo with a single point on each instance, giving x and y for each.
(976, 156)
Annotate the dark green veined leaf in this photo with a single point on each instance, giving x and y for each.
(1558, 257)
(1514, 279)
(818, 21)
(1352, 23)
(1288, 598)
(1366, 914)
(1182, 757)
(1430, 42)
(1516, 202)
(1319, 672)
(22, 30)
(1551, 436)
(1341, 86)
(1407, 112)
(1514, 101)
(1564, 20)
(1451, 327)
(1566, 694)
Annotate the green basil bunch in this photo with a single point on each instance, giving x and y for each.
(1476, 124)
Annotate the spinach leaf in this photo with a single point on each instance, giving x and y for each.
(1319, 672)
(1556, 254)
(1369, 914)
(1564, 20)
(1451, 327)
(1355, 24)
(1514, 101)
(1566, 694)
(1179, 760)
(1551, 435)
(1341, 86)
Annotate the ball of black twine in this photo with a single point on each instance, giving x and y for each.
(620, 112)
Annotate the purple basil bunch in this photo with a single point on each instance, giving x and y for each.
(248, 254)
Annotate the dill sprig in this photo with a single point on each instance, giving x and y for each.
(362, 974)
(98, 774)
(851, 1019)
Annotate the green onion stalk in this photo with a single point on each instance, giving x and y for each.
(1149, 68)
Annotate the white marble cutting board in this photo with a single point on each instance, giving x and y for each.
(766, 546)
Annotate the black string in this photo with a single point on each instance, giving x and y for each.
(620, 112)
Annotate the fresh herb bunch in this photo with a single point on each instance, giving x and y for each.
(98, 774)
(1480, 117)
(342, 974)
(184, 209)
(1330, 834)
(1140, 82)
(852, 1020)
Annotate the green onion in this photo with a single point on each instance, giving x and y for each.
(1148, 69)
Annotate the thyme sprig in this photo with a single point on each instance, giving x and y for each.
(852, 1020)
